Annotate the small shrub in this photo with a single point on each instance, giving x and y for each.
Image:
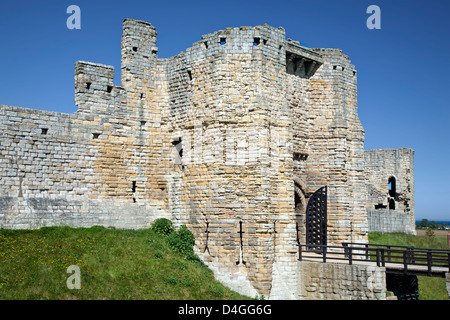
(182, 241)
(162, 226)
(430, 233)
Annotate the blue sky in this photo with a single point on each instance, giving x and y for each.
(403, 68)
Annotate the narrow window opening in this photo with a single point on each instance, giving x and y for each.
(223, 41)
(88, 85)
(392, 204)
(206, 44)
(135, 49)
(154, 51)
(133, 190)
(95, 135)
(334, 67)
(280, 47)
(143, 123)
(44, 130)
(190, 74)
(142, 96)
(264, 41)
(392, 186)
(354, 73)
(256, 41)
(109, 89)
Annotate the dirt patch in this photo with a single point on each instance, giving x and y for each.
(436, 232)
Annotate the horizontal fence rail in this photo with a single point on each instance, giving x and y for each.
(395, 256)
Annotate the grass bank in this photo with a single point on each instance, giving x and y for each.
(113, 264)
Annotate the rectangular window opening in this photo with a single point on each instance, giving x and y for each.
(95, 135)
(44, 130)
(190, 74)
(88, 85)
(109, 89)
(256, 41)
(380, 206)
(223, 41)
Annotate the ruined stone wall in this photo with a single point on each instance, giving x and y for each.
(107, 164)
(53, 172)
(390, 183)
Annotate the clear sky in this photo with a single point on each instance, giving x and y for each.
(403, 68)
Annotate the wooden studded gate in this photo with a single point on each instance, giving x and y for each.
(316, 220)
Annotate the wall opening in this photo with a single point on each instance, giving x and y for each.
(380, 206)
(109, 89)
(44, 130)
(391, 204)
(133, 190)
(256, 41)
(189, 74)
(223, 41)
(95, 135)
(300, 66)
(135, 49)
(392, 186)
(178, 151)
(88, 85)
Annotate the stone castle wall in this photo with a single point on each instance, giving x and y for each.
(333, 281)
(231, 138)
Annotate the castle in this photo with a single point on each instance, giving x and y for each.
(231, 138)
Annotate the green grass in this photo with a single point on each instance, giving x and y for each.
(430, 288)
(114, 264)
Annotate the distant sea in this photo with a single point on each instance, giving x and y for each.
(437, 221)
